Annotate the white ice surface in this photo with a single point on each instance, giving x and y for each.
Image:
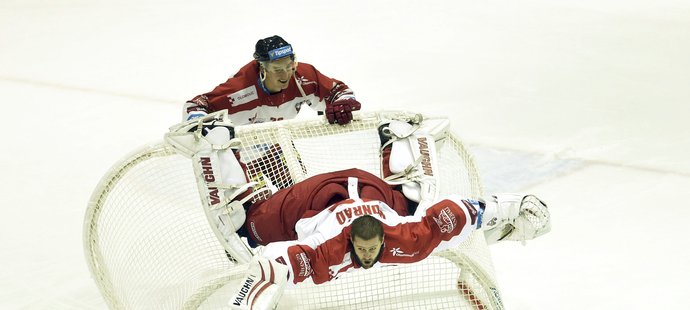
(584, 103)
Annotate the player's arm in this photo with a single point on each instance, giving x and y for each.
(204, 104)
(505, 217)
(444, 225)
(282, 264)
(195, 108)
(208, 102)
(339, 100)
(306, 262)
(318, 260)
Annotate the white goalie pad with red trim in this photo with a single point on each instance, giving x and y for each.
(262, 287)
(414, 157)
(221, 180)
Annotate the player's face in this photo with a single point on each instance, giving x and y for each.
(367, 250)
(278, 73)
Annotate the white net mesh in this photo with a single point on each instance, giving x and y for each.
(149, 244)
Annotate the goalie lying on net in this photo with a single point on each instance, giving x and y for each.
(360, 234)
(297, 212)
(225, 189)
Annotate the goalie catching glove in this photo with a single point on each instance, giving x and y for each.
(515, 217)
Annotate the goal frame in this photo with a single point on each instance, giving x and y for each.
(476, 280)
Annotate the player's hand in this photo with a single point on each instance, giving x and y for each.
(340, 111)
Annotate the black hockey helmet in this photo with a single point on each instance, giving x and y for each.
(272, 48)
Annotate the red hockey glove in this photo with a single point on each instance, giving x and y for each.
(340, 111)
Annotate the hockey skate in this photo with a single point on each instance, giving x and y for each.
(515, 217)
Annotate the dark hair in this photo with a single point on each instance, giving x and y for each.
(366, 227)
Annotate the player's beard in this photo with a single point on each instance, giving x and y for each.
(369, 262)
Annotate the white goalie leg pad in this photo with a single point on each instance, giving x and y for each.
(220, 177)
(218, 193)
(515, 217)
(262, 287)
(221, 180)
(413, 160)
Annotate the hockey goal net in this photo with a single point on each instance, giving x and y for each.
(149, 245)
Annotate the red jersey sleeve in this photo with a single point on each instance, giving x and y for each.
(243, 93)
(217, 99)
(316, 263)
(325, 88)
(445, 221)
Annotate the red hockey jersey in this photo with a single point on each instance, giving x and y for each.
(248, 102)
(324, 250)
(276, 219)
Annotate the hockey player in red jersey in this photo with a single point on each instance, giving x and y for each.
(315, 220)
(362, 233)
(357, 233)
(273, 87)
(276, 219)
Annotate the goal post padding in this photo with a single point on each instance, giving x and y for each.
(148, 243)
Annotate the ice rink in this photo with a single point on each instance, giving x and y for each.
(584, 103)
